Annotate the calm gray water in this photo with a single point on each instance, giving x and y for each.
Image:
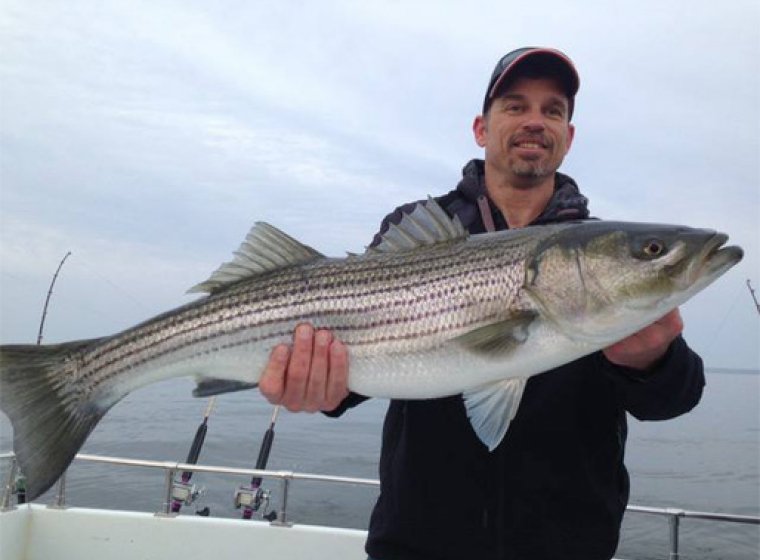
(708, 460)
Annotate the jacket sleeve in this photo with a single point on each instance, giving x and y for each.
(673, 388)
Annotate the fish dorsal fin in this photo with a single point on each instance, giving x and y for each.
(264, 249)
(427, 224)
(492, 407)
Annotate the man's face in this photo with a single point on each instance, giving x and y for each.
(526, 132)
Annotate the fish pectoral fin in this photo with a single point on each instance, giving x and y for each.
(210, 386)
(264, 249)
(501, 338)
(492, 407)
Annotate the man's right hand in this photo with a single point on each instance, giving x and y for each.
(310, 376)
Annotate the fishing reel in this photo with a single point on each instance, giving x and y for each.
(254, 499)
(19, 489)
(184, 493)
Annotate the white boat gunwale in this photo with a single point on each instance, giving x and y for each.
(350, 538)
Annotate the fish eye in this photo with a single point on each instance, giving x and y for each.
(654, 248)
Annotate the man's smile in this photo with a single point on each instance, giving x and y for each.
(530, 147)
(531, 142)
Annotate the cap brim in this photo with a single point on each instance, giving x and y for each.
(571, 79)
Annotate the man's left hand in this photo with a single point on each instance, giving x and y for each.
(644, 349)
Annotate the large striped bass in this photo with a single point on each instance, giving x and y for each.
(430, 312)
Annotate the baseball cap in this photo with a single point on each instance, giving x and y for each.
(539, 61)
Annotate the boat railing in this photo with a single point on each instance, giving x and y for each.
(172, 469)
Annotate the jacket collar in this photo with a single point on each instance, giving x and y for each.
(567, 202)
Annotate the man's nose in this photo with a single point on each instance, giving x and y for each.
(534, 122)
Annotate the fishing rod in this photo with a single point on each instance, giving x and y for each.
(252, 497)
(182, 491)
(49, 294)
(20, 482)
(752, 293)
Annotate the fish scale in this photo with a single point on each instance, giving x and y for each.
(429, 312)
(320, 294)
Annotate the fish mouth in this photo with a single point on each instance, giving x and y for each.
(715, 257)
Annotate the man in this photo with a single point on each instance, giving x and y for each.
(556, 486)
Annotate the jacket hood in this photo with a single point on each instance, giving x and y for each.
(567, 202)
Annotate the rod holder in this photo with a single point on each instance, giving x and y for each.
(59, 502)
(10, 483)
(166, 511)
(282, 515)
(674, 522)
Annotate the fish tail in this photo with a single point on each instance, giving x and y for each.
(49, 413)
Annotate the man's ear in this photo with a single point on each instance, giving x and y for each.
(480, 130)
(570, 136)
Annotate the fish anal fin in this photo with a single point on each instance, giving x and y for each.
(492, 407)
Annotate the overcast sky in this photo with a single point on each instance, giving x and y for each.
(146, 137)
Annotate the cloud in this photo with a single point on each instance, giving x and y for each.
(149, 136)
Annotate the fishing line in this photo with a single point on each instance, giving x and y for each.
(75, 306)
(714, 337)
(115, 286)
(752, 293)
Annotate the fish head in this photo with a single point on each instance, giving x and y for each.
(599, 282)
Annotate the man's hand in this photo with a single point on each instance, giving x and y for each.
(644, 349)
(310, 376)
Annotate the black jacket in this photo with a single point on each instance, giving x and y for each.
(556, 487)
